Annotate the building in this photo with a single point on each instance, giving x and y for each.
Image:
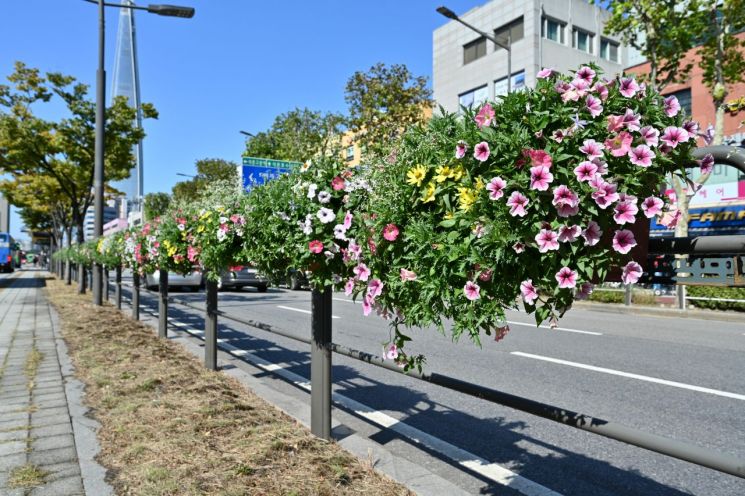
(109, 213)
(4, 214)
(561, 34)
(126, 82)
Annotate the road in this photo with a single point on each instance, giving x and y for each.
(681, 378)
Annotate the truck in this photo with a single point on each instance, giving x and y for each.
(8, 252)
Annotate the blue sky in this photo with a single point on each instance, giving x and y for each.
(234, 66)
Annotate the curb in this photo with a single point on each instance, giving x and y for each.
(660, 312)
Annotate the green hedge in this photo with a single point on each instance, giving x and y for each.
(716, 292)
(639, 297)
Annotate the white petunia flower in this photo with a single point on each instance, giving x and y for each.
(326, 215)
(324, 197)
(312, 191)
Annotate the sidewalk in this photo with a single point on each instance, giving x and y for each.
(47, 444)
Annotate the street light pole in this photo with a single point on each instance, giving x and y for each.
(98, 170)
(451, 15)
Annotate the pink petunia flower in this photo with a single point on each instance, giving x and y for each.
(315, 246)
(362, 272)
(652, 206)
(594, 105)
(564, 196)
(519, 247)
(584, 291)
(496, 188)
(605, 195)
(601, 90)
(641, 155)
(367, 304)
(625, 212)
(486, 275)
(615, 123)
(528, 291)
(670, 219)
(347, 220)
(631, 120)
(354, 250)
(592, 149)
(623, 241)
(539, 157)
(650, 135)
(558, 135)
(375, 288)
(390, 232)
(547, 240)
(338, 183)
(585, 171)
(407, 275)
(481, 152)
(567, 278)
(391, 352)
(568, 234)
(592, 233)
(628, 87)
(472, 291)
(349, 286)
(631, 273)
(460, 149)
(691, 128)
(620, 144)
(517, 203)
(586, 74)
(672, 136)
(671, 106)
(545, 73)
(567, 210)
(485, 116)
(708, 135)
(540, 177)
(706, 164)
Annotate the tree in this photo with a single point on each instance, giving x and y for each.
(662, 30)
(64, 150)
(298, 135)
(383, 102)
(156, 205)
(209, 170)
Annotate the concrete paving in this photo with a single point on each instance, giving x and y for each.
(43, 423)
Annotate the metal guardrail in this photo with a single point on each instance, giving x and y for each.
(670, 447)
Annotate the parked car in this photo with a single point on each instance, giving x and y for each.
(193, 281)
(296, 279)
(241, 276)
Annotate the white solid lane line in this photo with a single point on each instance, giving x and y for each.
(345, 300)
(681, 385)
(301, 310)
(565, 329)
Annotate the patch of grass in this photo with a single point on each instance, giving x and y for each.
(168, 426)
(27, 476)
(33, 359)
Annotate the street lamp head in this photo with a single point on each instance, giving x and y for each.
(171, 11)
(247, 134)
(447, 12)
(185, 175)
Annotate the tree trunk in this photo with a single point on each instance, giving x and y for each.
(82, 273)
(68, 264)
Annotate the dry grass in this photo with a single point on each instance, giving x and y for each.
(171, 427)
(27, 476)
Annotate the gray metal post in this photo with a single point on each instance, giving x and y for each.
(81, 273)
(118, 287)
(106, 283)
(210, 326)
(98, 167)
(320, 363)
(135, 295)
(681, 294)
(163, 304)
(627, 295)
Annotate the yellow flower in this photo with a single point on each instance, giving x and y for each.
(172, 251)
(457, 172)
(466, 198)
(99, 247)
(416, 175)
(478, 184)
(429, 194)
(444, 172)
(206, 215)
(200, 228)
(449, 215)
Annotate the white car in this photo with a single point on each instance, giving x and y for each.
(192, 281)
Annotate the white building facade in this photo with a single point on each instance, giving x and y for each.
(560, 34)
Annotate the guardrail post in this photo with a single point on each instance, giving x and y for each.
(210, 326)
(681, 294)
(163, 304)
(135, 295)
(628, 292)
(320, 363)
(118, 287)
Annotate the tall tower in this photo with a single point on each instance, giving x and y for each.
(126, 82)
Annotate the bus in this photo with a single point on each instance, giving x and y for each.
(8, 253)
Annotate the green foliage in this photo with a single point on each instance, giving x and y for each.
(383, 103)
(209, 171)
(156, 205)
(298, 135)
(63, 151)
(717, 292)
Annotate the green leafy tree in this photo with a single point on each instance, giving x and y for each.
(298, 135)
(383, 103)
(64, 150)
(209, 170)
(156, 205)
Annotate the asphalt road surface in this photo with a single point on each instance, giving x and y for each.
(681, 378)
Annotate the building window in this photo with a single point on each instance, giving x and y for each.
(551, 29)
(474, 50)
(350, 153)
(511, 32)
(609, 50)
(474, 97)
(583, 40)
(684, 99)
(518, 83)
